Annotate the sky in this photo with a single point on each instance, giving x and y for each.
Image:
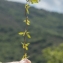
(49, 5)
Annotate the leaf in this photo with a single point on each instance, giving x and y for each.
(27, 46)
(28, 35)
(27, 7)
(27, 22)
(22, 33)
(23, 45)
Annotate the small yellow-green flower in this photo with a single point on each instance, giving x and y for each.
(25, 33)
(27, 22)
(25, 46)
(33, 1)
(27, 8)
(24, 56)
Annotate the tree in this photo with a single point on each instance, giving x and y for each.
(54, 54)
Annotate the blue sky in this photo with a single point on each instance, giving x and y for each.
(50, 5)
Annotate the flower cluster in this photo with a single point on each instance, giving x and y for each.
(27, 21)
(25, 33)
(33, 1)
(25, 46)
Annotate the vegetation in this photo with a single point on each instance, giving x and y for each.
(54, 55)
(46, 30)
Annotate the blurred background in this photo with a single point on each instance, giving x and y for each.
(46, 29)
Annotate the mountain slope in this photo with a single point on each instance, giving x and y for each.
(46, 30)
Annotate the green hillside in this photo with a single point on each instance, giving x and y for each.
(46, 30)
